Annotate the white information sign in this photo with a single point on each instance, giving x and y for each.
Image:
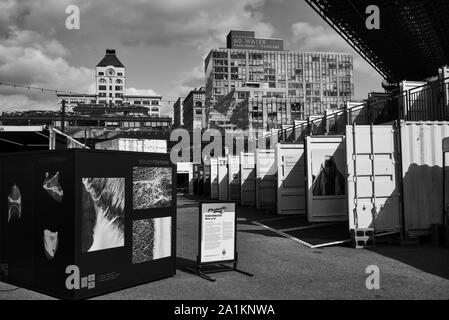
(217, 232)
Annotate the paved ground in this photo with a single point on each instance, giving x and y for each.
(285, 269)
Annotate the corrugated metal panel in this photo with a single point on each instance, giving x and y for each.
(186, 168)
(291, 190)
(214, 178)
(247, 180)
(234, 178)
(223, 179)
(265, 179)
(326, 179)
(372, 178)
(422, 166)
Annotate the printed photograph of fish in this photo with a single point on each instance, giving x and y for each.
(152, 188)
(50, 244)
(103, 216)
(151, 239)
(14, 203)
(52, 186)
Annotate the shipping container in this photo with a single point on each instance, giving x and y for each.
(326, 179)
(185, 171)
(445, 192)
(291, 190)
(223, 179)
(422, 171)
(206, 178)
(247, 180)
(214, 178)
(73, 227)
(374, 197)
(134, 145)
(266, 184)
(234, 178)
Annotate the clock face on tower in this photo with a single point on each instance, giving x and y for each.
(110, 72)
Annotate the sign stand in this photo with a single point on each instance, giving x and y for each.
(215, 268)
(217, 219)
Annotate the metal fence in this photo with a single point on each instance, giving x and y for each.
(429, 102)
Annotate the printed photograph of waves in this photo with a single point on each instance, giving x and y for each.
(152, 188)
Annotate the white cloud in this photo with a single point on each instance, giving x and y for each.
(188, 81)
(134, 91)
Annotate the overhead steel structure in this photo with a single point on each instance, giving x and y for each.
(413, 40)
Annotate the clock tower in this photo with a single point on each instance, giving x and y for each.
(110, 79)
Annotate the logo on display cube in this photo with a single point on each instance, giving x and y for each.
(75, 282)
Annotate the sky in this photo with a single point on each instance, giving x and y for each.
(162, 43)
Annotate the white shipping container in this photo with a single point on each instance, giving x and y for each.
(422, 166)
(214, 178)
(223, 179)
(373, 189)
(247, 180)
(234, 178)
(326, 179)
(291, 189)
(265, 179)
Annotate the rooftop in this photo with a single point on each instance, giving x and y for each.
(110, 59)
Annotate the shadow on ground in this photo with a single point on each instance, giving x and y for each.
(427, 258)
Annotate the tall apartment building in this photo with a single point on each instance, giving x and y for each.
(319, 81)
(194, 111)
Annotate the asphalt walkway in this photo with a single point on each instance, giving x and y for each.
(285, 269)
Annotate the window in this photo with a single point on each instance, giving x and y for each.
(118, 88)
(146, 102)
(120, 74)
(155, 102)
(102, 80)
(199, 112)
(118, 81)
(101, 87)
(154, 109)
(101, 73)
(137, 102)
(110, 88)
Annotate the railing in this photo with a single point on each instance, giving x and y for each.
(429, 102)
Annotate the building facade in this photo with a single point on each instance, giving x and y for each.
(178, 121)
(194, 110)
(319, 80)
(110, 86)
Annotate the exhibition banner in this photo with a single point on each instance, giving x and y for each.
(217, 232)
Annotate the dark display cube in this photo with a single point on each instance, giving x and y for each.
(80, 223)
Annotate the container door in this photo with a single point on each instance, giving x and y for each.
(422, 165)
(234, 178)
(248, 180)
(326, 179)
(213, 178)
(223, 183)
(373, 193)
(265, 179)
(291, 191)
